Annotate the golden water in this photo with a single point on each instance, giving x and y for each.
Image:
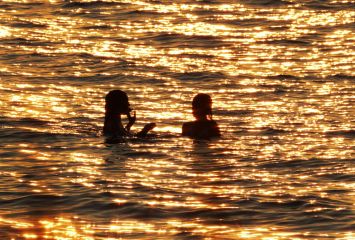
(281, 78)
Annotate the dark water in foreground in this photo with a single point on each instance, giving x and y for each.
(281, 77)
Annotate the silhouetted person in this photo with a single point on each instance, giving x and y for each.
(204, 126)
(116, 105)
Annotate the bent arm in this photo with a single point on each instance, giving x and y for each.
(146, 129)
(113, 126)
(131, 120)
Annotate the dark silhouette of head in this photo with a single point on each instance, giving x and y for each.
(116, 102)
(202, 106)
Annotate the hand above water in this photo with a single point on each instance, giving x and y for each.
(146, 129)
(149, 127)
(131, 120)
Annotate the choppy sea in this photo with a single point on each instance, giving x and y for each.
(281, 76)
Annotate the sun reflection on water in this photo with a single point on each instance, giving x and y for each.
(300, 21)
(73, 227)
(286, 122)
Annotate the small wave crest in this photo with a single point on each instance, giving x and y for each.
(341, 133)
(272, 3)
(165, 39)
(198, 76)
(342, 77)
(288, 42)
(283, 77)
(24, 24)
(273, 131)
(90, 4)
(23, 122)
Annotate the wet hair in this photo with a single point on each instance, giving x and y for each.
(203, 102)
(115, 101)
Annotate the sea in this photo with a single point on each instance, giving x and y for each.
(281, 77)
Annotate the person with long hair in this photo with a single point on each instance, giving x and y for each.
(204, 126)
(117, 104)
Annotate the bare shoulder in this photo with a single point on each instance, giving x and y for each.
(201, 129)
(188, 124)
(213, 123)
(215, 129)
(187, 127)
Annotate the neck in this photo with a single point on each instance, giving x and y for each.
(201, 118)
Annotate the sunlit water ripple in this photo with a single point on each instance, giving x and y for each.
(281, 77)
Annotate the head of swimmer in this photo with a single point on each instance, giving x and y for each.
(117, 103)
(202, 107)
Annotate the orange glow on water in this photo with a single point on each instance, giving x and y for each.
(281, 82)
(69, 228)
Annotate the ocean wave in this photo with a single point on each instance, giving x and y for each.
(338, 177)
(283, 77)
(229, 215)
(24, 24)
(341, 133)
(296, 164)
(93, 27)
(124, 210)
(273, 131)
(5, 6)
(34, 200)
(233, 112)
(288, 42)
(92, 4)
(271, 3)
(27, 42)
(267, 179)
(255, 22)
(142, 13)
(20, 5)
(25, 135)
(329, 5)
(5, 121)
(341, 77)
(195, 56)
(198, 76)
(182, 40)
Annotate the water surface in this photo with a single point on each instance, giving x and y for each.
(281, 77)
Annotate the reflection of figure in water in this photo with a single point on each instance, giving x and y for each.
(117, 104)
(204, 126)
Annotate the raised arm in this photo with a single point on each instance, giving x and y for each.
(131, 120)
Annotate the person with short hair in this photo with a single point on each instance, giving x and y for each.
(204, 126)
